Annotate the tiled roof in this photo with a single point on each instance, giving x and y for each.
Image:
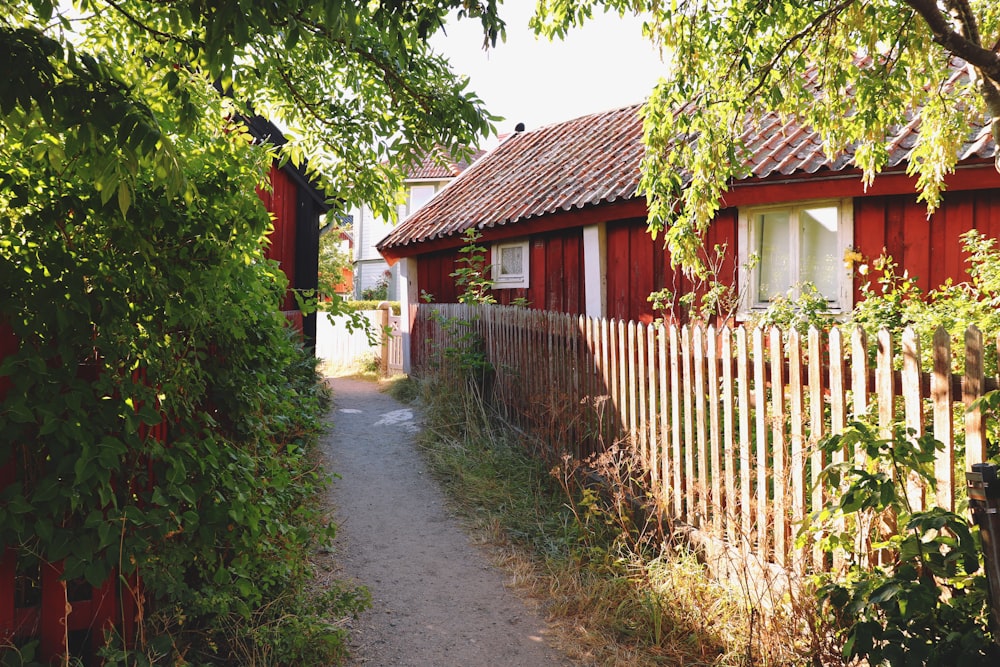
(595, 160)
(559, 167)
(439, 165)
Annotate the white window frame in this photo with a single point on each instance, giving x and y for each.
(747, 239)
(512, 280)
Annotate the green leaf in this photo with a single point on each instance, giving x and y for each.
(124, 198)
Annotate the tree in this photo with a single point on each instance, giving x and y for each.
(353, 82)
(850, 69)
(159, 419)
(334, 261)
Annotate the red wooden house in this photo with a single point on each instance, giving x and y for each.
(558, 210)
(296, 203)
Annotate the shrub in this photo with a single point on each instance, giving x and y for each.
(922, 600)
(162, 319)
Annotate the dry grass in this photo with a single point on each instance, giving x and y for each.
(614, 592)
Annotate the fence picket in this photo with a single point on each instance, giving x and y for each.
(743, 399)
(778, 446)
(728, 507)
(727, 435)
(639, 407)
(689, 478)
(883, 383)
(942, 399)
(796, 422)
(913, 407)
(675, 419)
(608, 384)
(816, 423)
(859, 381)
(714, 430)
(653, 458)
(972, 388)
(700, 430)
(623, 389)
(665, 425)
(760, 417)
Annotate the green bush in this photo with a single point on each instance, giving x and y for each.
(163, 316)
(924, 601)
(893, 300)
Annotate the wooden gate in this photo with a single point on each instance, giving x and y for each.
(395, 346)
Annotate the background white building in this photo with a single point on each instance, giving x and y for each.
(422, 182)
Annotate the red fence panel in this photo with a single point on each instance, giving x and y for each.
(68, 618)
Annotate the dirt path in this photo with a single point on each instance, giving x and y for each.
(436, 600)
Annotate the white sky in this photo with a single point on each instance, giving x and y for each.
(604, 65)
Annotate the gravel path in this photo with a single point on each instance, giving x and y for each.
(436, 599)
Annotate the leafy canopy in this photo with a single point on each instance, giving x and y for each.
(850, 69)
(353, 82)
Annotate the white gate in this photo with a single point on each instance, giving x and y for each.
(395, 346)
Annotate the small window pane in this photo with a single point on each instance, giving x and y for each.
(774, 268)
(819, 260)
(420, 195)
(511, 261)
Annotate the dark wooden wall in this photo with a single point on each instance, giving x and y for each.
(294, 243)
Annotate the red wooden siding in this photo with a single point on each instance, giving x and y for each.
(556, 280)
(282, 202)
(34, 599)
(639, 265)
(433, 276)
(929, 249)
(556, 274)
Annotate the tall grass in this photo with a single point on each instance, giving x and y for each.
(615, 585)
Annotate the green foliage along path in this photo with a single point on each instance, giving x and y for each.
(133, 275)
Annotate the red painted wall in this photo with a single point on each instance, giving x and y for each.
(556, 279)
(282, 202)
(930, 249)
(638, 265)
(433, 277)
(555, 275)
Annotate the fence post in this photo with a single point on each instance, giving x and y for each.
(384, 307)
(984, 501)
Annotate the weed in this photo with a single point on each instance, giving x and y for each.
(402, 388)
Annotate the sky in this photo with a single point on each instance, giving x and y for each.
(604, 65)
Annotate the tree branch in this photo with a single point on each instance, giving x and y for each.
(965, 18)
(387, 69)
(813, 25)
(945, 34)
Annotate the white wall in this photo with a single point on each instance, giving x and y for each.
(369, 230)
(341, 348)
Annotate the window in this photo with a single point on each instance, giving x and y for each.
(797, 244)
(510, 265)
(416, 197)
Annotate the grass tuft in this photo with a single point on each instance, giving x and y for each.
(615, 588)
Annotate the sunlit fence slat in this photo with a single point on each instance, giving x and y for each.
(724, 425)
